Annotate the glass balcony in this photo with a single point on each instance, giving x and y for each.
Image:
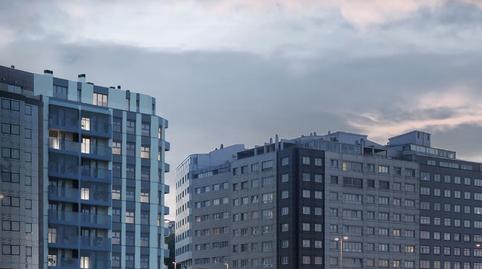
(96, 221)
(97, 152)
(70, 124)
(67, 241)
(64, 145)
(98, 198)
(63, 217)
(65, 263)
(63, 171)
(96, 175)
(64, 194)
(95, 243)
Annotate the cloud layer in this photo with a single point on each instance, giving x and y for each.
(242, 71)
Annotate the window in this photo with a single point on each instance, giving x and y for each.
(383, 169)
(117, 124)
(116, 194)
(284, 161)
(131, 127)
(85, 147)
(60, 92)
(146, 129)
(306, 160)
(85, 262)
(145, 152)
(318, 162)
(144, 197)
(130, 217)
(13, 250)
(84, 193)
(85, 124)
(100, 99)
(116, 148)
(52, 235)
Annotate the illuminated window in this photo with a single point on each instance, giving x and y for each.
(85, 145)
(84, 193)
(85, 124)
(100, 99)
(85, 262)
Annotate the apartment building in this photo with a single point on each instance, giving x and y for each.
(99, 173)
(450, 203)
(338, 201)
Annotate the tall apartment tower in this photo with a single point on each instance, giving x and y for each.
(286, 204)
(96, 163)
(450, 203)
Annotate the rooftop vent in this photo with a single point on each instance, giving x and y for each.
(12, 66)
(118, 87)
(81, 78)
(48, 72)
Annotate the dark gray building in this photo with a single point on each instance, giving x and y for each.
(95, 159)
(450, 203)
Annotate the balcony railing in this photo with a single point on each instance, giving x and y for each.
(98, 198)
(102, 152)
(66, 263)
(91, 220)
(63, 194)
(98, 175)
(99, 129)
(70, 171)
(64, 145)
(65, 241)
(95, 243)
(63, 217)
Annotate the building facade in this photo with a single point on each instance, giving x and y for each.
(100, 173)
(450, 203)
(336, 201)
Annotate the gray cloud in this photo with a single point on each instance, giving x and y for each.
(325, 73)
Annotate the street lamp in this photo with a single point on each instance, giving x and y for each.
(2, 196)
(175, 267)
(341, 240)
(227, 265)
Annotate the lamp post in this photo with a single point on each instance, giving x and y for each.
(341, 240)
(175, 265)
(227, 265)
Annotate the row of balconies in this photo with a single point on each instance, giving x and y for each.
(82, 242)
(82, 219)
(73, 195)
(87, 173)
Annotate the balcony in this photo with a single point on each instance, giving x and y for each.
(66, 263)
(96, 221)
(95, 243)
(66, 241)
(166, 168)
(167, 146)
(97, 152)
(63, 146)
(70, 125)
(64, 194)
(98, 198)
(96, 175)
(63, 217)
(63, 171)
(98, 129)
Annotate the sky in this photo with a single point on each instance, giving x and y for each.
(241, 71)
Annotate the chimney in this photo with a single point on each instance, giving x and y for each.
(81, 78)
(222, 146)
(12, 66)
(48, 72)
(118, 87)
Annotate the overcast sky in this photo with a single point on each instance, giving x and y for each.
(241, 71)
